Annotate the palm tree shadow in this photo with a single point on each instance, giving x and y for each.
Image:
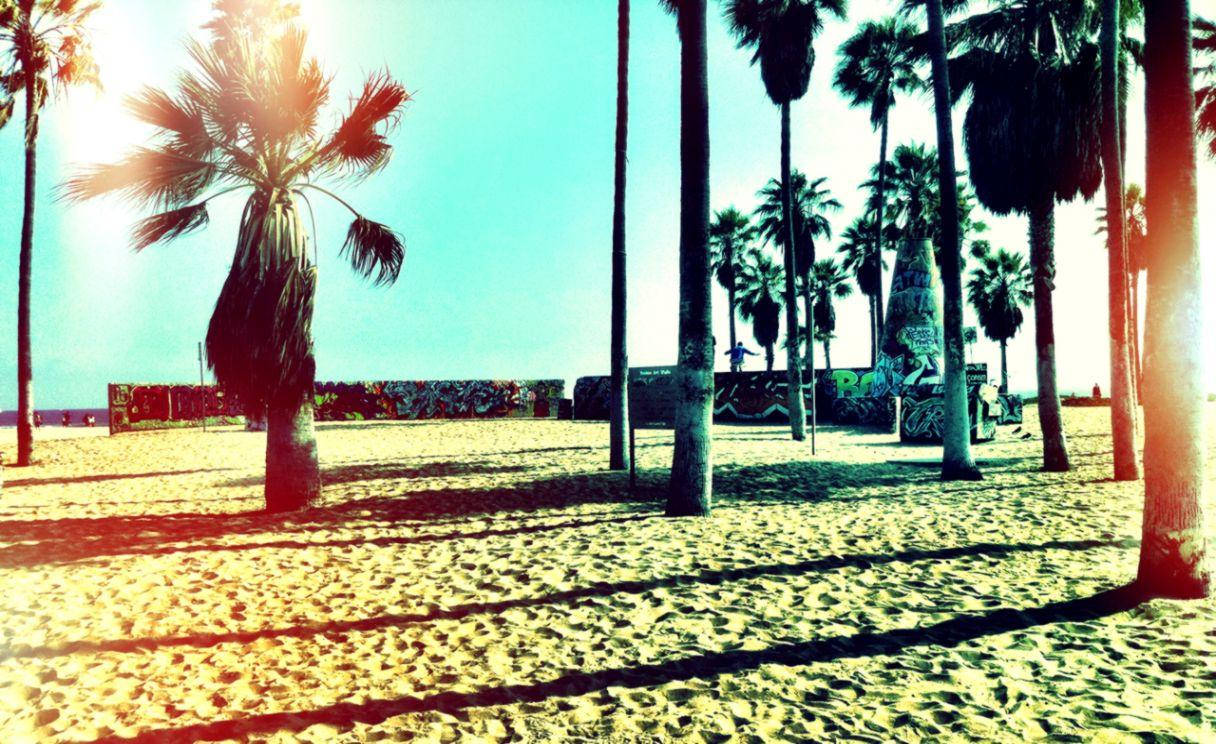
(571, 596)
(950, 633)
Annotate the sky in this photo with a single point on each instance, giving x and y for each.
(501, 185)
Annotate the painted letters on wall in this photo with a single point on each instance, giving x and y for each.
(164, 406)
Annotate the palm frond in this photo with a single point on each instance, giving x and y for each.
(6, 110)
(359, 144)
(374, 249)
(169, 225)
(148, 176)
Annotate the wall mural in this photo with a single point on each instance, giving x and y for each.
(922, 413)
(164, 406)
(135, 407)
(1011, 409)
(911, 349)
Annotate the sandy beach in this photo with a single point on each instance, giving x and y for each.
(488, 580)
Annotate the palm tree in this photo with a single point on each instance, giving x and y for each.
(730, 237)
(877, 62)
(782, 33)
(761, 283)
(810, 201)
(1122, 409)
(1173, 560)
(1032, 137)
(957, 463)
(43, 50)
(913, 176)
(246, 118)
(691, 469)
(829, 282)
(618, 425)
(1134, 233)
(1205, 96)
(998, 290)
(856, 246)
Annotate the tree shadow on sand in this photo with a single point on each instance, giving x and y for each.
(952, 632)
(98, 477)
(49, 541)
(572, 596)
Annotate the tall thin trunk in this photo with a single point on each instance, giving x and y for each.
(827, 354)
(1135, 335)
(873, 333)
(876, 259)
(691, 467)
(1173, 556)
(25, 364)
(792, 364)
(1004, 389)
(807, 308)
(1122, 412)
(618, 437)
(293, 479)
(730, 301)
(1043, 264)
(769, 356)
(957, 463)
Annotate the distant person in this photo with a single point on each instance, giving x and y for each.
(66, 418)
(89, 419)
(736, 356)
(1097, 391)
(37, 420)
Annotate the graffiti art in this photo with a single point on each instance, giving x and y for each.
(134, 406)
(163, 406)
(1010, 409)
(922, 413)
(911, 349)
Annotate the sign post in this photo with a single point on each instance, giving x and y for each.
(202, 383)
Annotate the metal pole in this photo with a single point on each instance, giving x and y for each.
(202, 384)
(633, 460)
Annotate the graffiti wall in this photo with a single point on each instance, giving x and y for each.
(911, 349)
(1011, 409)
(434, 399)
(922, 413)
(134, 407)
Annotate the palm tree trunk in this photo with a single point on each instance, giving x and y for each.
(1043, 264)
(827, 354)
(691, 467)
(1173, 559)
(25, 365)
(618, 436)
(873, 333)
(876, 259)
(957, 463)
(807, 308)
(793, 366)
(730, 301)
(1122, 412)
(1004, 390)
(769, 356)
(1135, 335)
(293, 479)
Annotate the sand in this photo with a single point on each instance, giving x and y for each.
(488, 581)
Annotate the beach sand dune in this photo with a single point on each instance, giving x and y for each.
(488, 580)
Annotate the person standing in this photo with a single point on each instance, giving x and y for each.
(737, 353)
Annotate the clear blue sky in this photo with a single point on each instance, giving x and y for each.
(502, 187)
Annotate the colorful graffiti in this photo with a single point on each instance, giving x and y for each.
(911, 349)
(1011, 409)
(427, 399)
(921, 417)
(165, 406)
(134, 406)
(754, 396)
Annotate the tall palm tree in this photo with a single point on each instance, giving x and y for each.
(730, 237)
(618, 425)
(913, 177)
(877, 62)
(810, 201)
(761, 284)
(957, 463)
(1134, 233)
(829, 282)
(43, 50)
(691, 468)
(1173, 560)
(1032, 137)
(998, 290)
(782, 33)
(246, 118)
(856, 247)
(1122, 409)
